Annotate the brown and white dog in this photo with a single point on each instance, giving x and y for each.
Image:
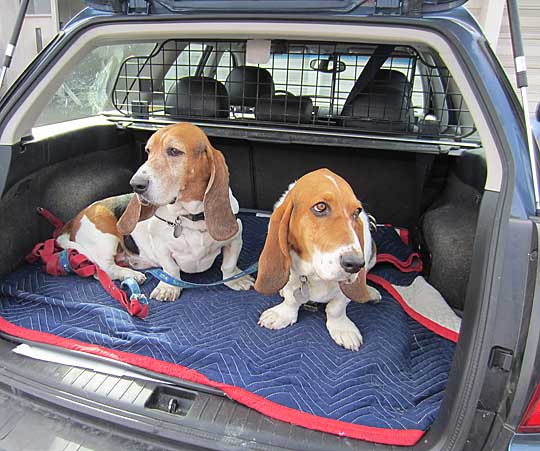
(319, 248)
(180, 218)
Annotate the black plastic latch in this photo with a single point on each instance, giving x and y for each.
(173, 400)
(137, 7)
(501, 358)
(388, 7)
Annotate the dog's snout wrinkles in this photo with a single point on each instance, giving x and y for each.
(351, 262)
(139, 184)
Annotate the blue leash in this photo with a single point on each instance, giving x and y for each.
(167, 278)
(133, 287)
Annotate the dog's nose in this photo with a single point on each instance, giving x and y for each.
(351, 262)
(139, 184)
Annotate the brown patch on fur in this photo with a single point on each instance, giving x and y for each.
(103, 218)
(75, 225)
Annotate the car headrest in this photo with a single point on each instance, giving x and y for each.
(197, 97)
(285, 108)
(384, 104)
(247, 84)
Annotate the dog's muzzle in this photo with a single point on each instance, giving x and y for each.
(351, 262)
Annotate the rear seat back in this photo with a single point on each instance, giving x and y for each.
(197, 97)
(246, 85)
(383, 105)
(285, 108)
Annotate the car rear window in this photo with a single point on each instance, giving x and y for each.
(338, 87)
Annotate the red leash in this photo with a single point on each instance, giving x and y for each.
(60, 262)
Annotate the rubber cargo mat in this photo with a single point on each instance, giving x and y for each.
(389, 391)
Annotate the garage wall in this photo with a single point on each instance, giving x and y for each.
(501, 40)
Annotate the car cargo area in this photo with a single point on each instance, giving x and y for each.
(400, 135)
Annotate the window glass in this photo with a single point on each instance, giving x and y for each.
(87, 89)
(185, 65)
(293, 73)
(224, 66)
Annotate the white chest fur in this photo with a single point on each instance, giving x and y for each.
(192, 248)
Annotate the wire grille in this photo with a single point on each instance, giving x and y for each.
(363, 88)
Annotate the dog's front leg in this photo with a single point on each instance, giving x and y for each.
(229, 266)
(342, 329)
(284, 314)
(164, 291)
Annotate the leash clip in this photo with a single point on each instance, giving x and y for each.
(138, 303)
(63, 259)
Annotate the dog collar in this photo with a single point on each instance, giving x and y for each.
(178, 220)
(177, 224)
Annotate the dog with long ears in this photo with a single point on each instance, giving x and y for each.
(318, 248)
(180, 218)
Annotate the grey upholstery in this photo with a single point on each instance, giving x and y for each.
(247, 84)
(285, 108)
(197, 97)
(384, 104)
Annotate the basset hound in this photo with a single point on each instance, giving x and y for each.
(180, 217)
(318, 248)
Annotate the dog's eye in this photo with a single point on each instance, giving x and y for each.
(357, 212)
(320, 208)
(174, 152)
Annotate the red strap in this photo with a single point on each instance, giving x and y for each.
(49, 254)
(53, 219)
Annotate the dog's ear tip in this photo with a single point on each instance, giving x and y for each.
(263, 289)
(220, 232)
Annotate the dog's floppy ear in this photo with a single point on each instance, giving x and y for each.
(218, 214)
(357, 291)
(134, 213)
(275, 260)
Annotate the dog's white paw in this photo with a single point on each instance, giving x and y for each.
(165, 292)
(374, 295)
(125, 273)
(345, 333)
(244, 283)
(278, 317)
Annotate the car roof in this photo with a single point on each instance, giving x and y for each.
(367, 7)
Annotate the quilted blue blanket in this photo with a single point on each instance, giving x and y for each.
(389, 392)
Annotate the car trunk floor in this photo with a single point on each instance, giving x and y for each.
(389, 391)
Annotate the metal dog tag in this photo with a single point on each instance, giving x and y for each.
(177, 228)
(301, 294)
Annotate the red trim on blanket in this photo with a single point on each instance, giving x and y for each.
(406, 437)
(412, 264)
(449, 334)
(404, 235)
